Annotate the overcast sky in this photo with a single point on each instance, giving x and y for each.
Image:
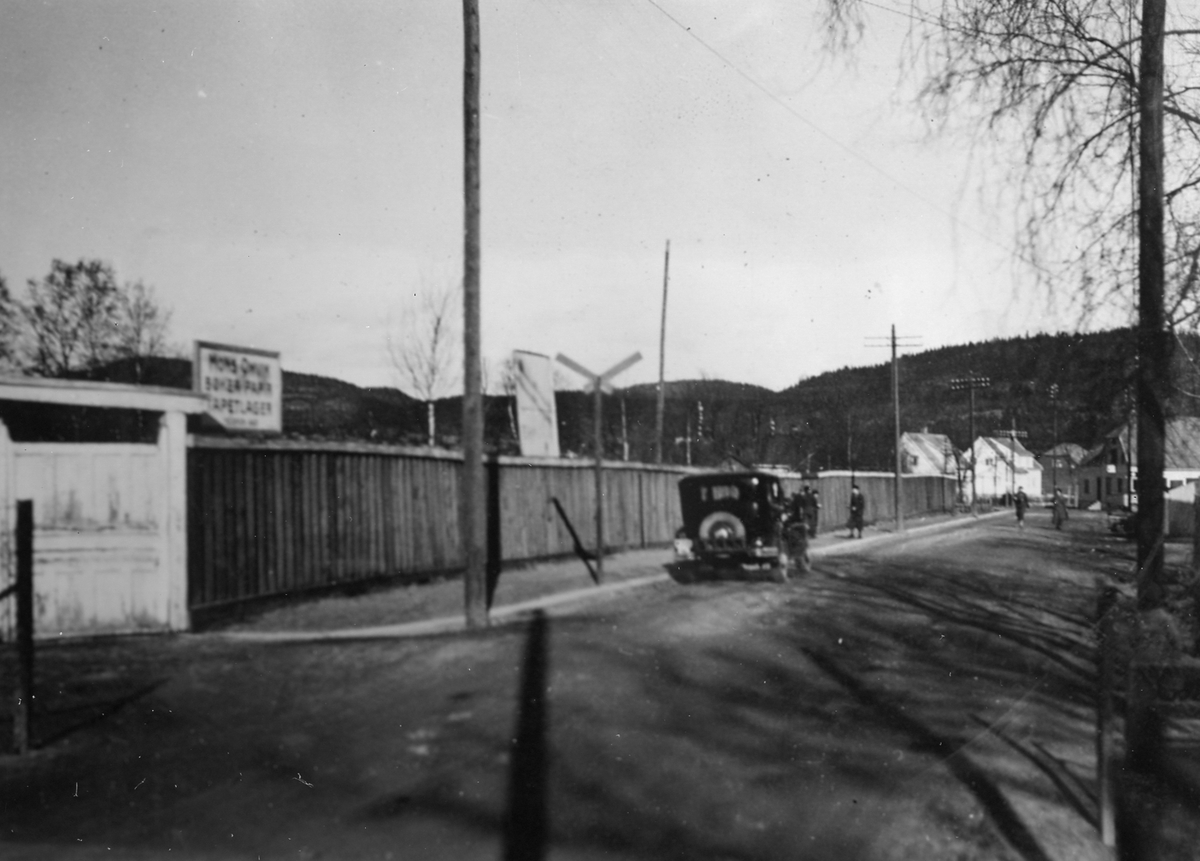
(285, 174)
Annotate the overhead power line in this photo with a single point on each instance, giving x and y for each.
(754, 82)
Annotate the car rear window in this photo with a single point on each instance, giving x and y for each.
(716, 492)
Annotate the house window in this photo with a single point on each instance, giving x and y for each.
(1086, 487)
(1107, 486)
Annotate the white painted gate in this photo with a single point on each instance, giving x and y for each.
(100, 534)
(110, 519)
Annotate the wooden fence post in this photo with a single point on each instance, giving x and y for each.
(23, 695)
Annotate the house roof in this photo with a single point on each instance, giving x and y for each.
(1071, 451)
(1006, 447)
(933, 447)
(1182, 444)
(1092, 455)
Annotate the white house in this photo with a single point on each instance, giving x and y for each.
(1004, 466)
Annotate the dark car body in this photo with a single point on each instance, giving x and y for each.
(733, 518)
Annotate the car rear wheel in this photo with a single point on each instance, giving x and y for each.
(722, 529)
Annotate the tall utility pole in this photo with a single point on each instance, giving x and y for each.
(662, 361)
(910, 341)
(896, 494)
(970, 383)
(472, 510)
(1154, 364)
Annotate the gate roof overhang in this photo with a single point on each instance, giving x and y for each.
(88, 393)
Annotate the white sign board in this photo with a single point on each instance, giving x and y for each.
(537, 417)
(244, 387)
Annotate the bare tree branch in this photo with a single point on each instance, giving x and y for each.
(424, 352)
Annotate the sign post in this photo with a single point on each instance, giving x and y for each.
(599, 384)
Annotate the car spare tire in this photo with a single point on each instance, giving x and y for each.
(722, 530)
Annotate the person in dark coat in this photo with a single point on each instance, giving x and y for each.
(1022, 503)
(813, 513)
(858, 510)
(1060, 509)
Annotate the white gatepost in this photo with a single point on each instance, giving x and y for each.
(172, 443)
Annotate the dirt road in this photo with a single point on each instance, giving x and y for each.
(928, 698)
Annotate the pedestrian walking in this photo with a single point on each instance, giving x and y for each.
(1060, 509)
(1022, 502)
(858, 510)
(813, 513)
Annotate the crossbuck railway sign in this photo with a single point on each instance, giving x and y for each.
(597, 384)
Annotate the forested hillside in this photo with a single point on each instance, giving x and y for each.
(839, 419)
(844, 418)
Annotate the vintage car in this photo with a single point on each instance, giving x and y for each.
(735, 519)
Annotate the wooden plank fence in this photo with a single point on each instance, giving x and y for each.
(277, 517)
(920, 494)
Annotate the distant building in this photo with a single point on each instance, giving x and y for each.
(733, 463)
(927, 454)
(1060, 468)
(1108, 474)
(1003, 466)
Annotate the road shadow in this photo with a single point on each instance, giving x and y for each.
(525, 819)
(950, 753)
(911, 655)
(58, 722)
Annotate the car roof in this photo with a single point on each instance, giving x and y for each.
(727, 477)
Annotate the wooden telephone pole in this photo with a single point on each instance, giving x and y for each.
(472, 506)
(909, 341)
(662, 362)
(1012, 435)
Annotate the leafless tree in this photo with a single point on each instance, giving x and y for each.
(143, 325)
(424, 351)
(1059, 81)
(71, 317)
(1097, 97)
(500, 378)
(10, 330)
(77, 317)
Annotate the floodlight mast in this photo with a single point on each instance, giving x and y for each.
(1054, 456)
(970, 383)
